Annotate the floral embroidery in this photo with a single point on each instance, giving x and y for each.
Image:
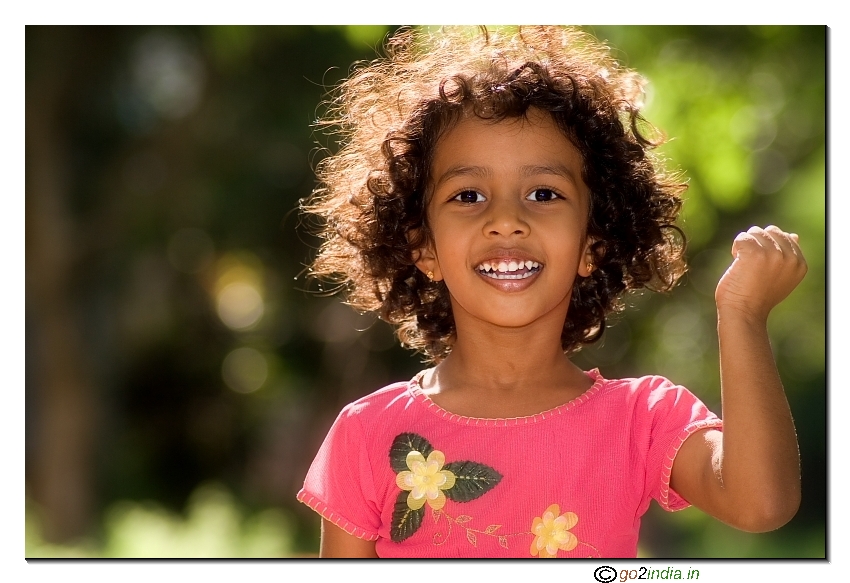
(423, 476)
(552, 532)
(425, 480)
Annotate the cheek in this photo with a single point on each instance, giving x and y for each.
(451, 258)
(449, 242)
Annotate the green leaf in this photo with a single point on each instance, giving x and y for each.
(405, 521)
(402, 445)
(471, 480)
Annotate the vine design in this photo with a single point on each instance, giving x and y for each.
(472, 534)
(595, 550)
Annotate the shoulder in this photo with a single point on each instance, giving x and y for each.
(391, 397)
(647, 388)
(656, 405)
(364, 421)
(649, 394)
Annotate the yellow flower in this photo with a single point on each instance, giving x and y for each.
(426, 480)
(553, 532)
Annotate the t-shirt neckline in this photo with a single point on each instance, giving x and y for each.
(415, 389)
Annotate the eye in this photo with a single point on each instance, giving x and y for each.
(542, 195)
(469, 196)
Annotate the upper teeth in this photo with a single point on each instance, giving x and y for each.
(507, 266)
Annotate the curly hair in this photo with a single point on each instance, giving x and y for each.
(389, 115)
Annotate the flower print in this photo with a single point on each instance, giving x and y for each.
(552, 532)
(426, 479)
(432, 480)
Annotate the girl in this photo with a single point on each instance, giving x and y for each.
(494, 199)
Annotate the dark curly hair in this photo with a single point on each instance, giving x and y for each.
(390, 115)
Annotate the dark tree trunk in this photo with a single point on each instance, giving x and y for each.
(60, 391)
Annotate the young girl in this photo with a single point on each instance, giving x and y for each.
(494, 199)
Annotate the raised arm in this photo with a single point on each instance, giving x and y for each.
(748, 476)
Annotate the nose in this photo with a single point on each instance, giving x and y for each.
(505, 218)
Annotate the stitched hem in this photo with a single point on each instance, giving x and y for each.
(664, 497)
(331, 516)
(415, 389)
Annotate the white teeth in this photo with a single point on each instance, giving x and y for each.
(505, 269)
(506, 266)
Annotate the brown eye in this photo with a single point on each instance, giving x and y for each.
(542, 195)
(469, 196)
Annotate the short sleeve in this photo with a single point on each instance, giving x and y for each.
(339, 485)
(675, 414)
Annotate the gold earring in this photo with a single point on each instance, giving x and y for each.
(430, 275)
(590, 267)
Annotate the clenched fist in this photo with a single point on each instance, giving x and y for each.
(768, 265)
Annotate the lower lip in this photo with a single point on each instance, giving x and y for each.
(511, 285)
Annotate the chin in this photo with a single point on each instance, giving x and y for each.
(514, 321)
(515, 315)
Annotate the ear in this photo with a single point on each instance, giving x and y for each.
(425, 258)
(586, 265)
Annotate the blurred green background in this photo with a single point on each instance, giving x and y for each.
(179, 379)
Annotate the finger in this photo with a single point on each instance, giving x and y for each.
(748, 241)
(780, 239)
(788, 247)
(789, 243)
(794, 239)
(775, 242)
(767, 237)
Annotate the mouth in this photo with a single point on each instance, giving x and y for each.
(509, 269)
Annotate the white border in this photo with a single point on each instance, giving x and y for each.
(337, 12)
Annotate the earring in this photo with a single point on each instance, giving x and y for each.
(590, 267)
(430, 276)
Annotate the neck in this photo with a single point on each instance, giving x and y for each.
(489, 358)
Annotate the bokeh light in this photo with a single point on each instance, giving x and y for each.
(168, 74)
(238, 291)
(240, 305)
(244, 370)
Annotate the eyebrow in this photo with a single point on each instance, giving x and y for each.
(556, 170)
(526, 171)
(473, 171)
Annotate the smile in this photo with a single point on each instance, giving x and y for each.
(509, 269)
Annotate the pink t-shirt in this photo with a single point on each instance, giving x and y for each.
(573, 481)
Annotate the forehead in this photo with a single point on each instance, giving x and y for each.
(506, 147)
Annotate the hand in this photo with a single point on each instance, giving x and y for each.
(768, 266)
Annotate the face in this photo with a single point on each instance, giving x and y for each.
(508, 215)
